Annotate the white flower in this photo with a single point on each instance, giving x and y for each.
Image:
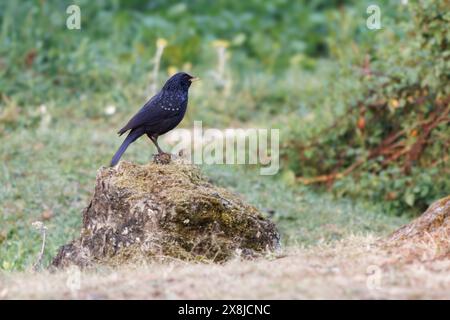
(110, 110)
(38, 225)
(43, 109)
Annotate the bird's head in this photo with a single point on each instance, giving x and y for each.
(179, 81)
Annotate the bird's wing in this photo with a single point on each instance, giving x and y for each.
(150, 114)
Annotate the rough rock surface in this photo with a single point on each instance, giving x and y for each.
(139, 212)
(425, 238)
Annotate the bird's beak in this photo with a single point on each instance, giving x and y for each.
(194, 79)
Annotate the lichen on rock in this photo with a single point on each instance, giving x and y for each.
(139, 212)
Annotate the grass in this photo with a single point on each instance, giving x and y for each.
(304, 216)
(48, 174)
(48, 171)
(55, 134)
(352, 268)
(50, 155)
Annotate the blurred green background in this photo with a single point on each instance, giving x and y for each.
(363, 113)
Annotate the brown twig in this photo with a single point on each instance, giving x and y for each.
(416, 150)
(392, 147)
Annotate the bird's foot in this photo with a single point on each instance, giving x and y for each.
(162, 158)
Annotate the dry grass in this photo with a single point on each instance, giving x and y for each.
(354, 268)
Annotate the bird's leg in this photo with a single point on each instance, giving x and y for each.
(161, 157)
(155, 141)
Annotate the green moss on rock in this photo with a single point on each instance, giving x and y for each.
(139, 212)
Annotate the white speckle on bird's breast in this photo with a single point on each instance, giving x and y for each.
(170, 109)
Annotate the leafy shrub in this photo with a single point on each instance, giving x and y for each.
(392, 142)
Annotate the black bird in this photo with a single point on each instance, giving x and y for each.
(159, 115)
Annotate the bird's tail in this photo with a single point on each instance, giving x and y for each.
(132, 136)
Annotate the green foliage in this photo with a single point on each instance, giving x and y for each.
(393, 140)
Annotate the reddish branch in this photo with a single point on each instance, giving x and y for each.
(418, 147)
(393, 147)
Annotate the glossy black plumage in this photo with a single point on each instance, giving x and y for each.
(162, 113)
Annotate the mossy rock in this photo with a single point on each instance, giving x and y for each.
(139, 212)
(432, 224)
(426, 238)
